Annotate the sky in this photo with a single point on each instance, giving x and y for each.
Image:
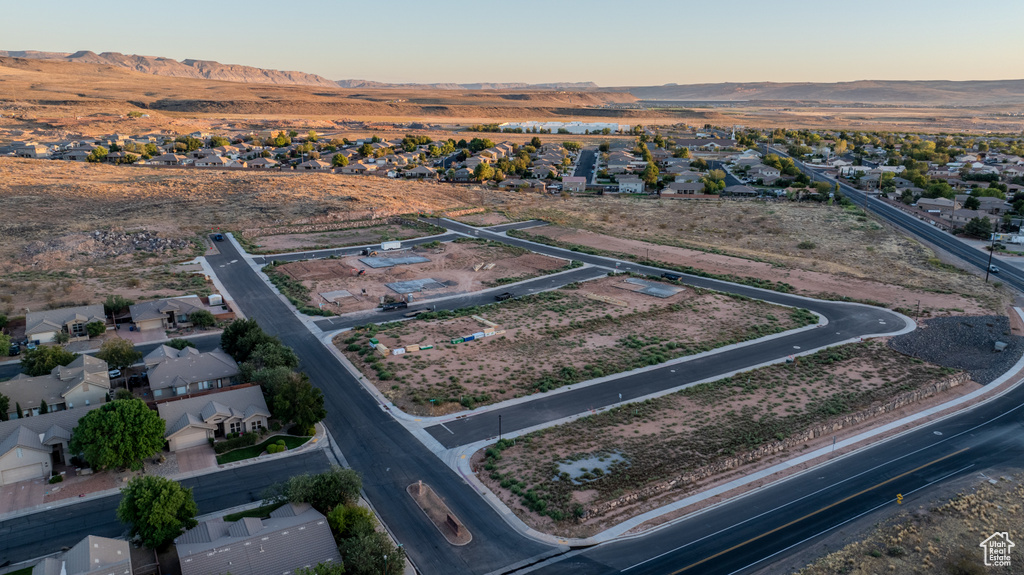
(623, 43)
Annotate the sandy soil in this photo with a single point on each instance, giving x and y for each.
(485, 219)
(553, 339)
(451, 264)
(336, 238)
(811, 283)
(676, 434)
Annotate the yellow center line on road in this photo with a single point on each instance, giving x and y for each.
(813, 513)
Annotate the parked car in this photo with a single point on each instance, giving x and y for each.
(114, 373)
(394, 305)
(504, 296)
(218, 237)
(139, 379)
(30, 345)
(15, 349)
(671, 276)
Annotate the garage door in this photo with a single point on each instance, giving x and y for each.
(22, 473)
(194, 439)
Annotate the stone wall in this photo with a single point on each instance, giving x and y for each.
(829, 427)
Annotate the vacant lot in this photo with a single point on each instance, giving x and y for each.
(803, 244)
(553, 339)
(52, 209)
(450, 265)
(579, 478)
(942, 537)
(336, 238)
(485, 219)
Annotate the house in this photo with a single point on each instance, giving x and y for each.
(31, 447)
(263, 163)
(315, 165)
(421, 172)
(295, 536)
(43, 326)
(938, 205)
(168, 160)
(358, 168)
(574, 184)
(631, 185)
(91, 556)
(684, 188)
(82, 382)
(463, 175)
(170, 313)
(964, 216)
(193, 421)
(739, 191)
(763, 171)
(175, 372)
(987, 204)
(211, 161)
(77, 155)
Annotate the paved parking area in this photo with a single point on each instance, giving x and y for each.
(21, 495)
(196, 458)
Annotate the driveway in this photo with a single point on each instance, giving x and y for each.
(196, 458)
(21, 495)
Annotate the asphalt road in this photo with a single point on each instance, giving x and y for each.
(1008, 274)
(203, 343)
(585, 167)
(31, 536)
(375, 444)
(750, 532)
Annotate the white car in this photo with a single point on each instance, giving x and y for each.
(114, 373)
(993, 269)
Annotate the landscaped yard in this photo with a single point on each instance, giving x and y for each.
(290, 441)
(260, 512)
(599, 470)
(544, 341)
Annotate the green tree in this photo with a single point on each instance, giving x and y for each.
(604, 147)
(5, 344)
(978, 228)
(219, 141)
(324, 491)
(351, 521)
(150, 150)
(241, 337)
(372, 554)
(42, 360)
(179, 344)
(534, 141)
(650, 174)
(95, 328)
(120, 433)
(202, 318)
(98, 154)
(483, 171)
(3, 321)
(61, 337)
(119, 353)
(299, 401)
(972, 203)
(339, 160)
(293, 134)
(572, 146)
(323, 569)
(5, 404)
(157, 509)
(366, 150)
(116, 304)
(43, 408)
(312, 136)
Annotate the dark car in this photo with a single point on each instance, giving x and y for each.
(504, 296)
(394, 305)
(673, 277)
(15, 349)
(218, 237)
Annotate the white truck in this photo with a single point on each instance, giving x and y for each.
(386, 246)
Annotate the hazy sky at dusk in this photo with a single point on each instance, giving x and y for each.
(610, 43)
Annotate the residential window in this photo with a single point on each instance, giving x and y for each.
(20, 453)
(181, 390)
(204, 385)
(236, 427)
(256, 425)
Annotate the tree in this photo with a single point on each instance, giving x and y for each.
(120, 433)
(324, 491)
(979, 228)
(534, 141)
(339, 160)
(116, 304)
(179, 344)
(5, 343)
(5, 404)
(972, 203)
(323, 569)
(3, 321)
(218, 141)
(119, 353)
(241, 337)
(43, 408)
(201, 318)
(271, 380)
(95, 328)
(300, 402)
(572, 146)
(650, 174)
(351, 521)
(483, 171)
(157, 509)
(42, 360)
(372, 554)
(98, 154)
(61, 337)
(312, 136)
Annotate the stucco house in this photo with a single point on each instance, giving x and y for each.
(180, 372)
(194, 421)
(574, 184)
(295, 536)
(170, 313)
(31, 447)
(631, 185)
(43, 326)
(82, 382)
(92, 556)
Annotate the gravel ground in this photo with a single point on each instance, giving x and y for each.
(965, 342)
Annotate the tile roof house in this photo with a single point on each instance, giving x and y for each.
(169, 313)
(43, 326)
(92, 556)
(295, 536)
(192, 421)
(30, 447)
(173, 372)
(82, 382)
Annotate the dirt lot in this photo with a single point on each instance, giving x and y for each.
(941, 536)
(553, 339)
(451, 264)
(640, 456)
(852, 255)
(50, 257)
(485, 219)
(336, 238)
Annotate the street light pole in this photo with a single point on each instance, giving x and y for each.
(991, 250)
(499, 427)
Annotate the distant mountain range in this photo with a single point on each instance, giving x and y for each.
(936, 92)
